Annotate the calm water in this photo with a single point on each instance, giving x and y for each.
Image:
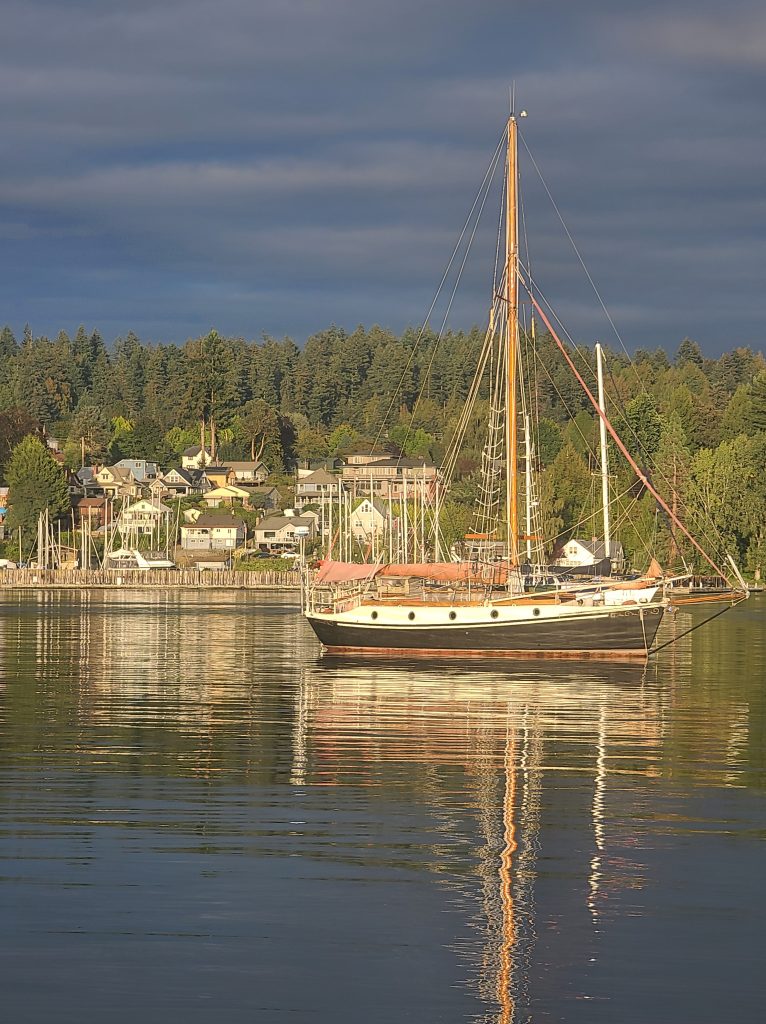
(202, 820)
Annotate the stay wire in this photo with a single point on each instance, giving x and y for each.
(483, 188)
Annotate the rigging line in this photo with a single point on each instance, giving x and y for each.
(470, 402)
(458, 278)
(621, 414)
(484, 187)
(576, 250)
(467, 411)
(709, 526)
(641, 475)
(704, 622)
(626, 518)
(642, 386)
(572, 416)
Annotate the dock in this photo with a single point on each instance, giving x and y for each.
(169, 579)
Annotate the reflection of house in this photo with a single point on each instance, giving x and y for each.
(249, 472)
(144, 516)
(117, 481)
(182, 481)
(95, 511)
(370, 518)
(315, 488)
(195, 457)
(279, 531)
(579, 554)
(391, 478)
(227, 495)
(142, 470)
(213, 532)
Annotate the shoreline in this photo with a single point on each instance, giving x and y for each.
(148, 579)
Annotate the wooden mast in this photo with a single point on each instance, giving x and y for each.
(512, 340)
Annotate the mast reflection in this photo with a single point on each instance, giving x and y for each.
(509, 732)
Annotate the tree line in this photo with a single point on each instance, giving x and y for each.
(697, 424)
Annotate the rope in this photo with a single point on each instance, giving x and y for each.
(698, 625)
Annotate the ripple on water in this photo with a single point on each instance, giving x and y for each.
(199, 815)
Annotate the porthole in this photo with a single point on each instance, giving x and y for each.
(453, 615)
(411, 616)
(535, 611)
(374, 615)
(494, 613)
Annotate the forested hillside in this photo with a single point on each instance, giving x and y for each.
(698, 425)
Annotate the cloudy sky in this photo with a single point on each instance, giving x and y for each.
(280, 165)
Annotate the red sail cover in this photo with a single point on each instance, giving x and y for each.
(451, 572)
(345, 572)
(442, 572)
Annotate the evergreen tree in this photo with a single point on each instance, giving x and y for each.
(689, 352)
(91, 428)
(758, 402)
(36, 483)
(15, 424)
(145, 440)
(8, 345)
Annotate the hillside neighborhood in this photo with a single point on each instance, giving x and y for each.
(205, 514)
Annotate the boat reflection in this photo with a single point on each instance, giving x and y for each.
(514, 733)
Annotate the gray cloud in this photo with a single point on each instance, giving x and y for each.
(174, 163)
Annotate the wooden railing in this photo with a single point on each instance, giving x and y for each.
(194, 578)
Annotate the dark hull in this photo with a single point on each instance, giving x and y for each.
(618, 634)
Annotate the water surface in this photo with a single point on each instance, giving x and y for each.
(202, 819)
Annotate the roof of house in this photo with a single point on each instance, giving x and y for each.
(370, 451)
(228, 491)
(279, 522)
(119, 473)
(193, 450)
(146, 505)
(597, 548)
(380, 506)
(319, 476)
(214, 520)
(403, 462)
(89, 502)
(189, 476)
(246, 465)
(139, 467)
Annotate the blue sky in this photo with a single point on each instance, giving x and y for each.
(280, 165)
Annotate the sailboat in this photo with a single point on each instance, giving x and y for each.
(482, 605)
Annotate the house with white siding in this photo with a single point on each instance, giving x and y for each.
(278, 532)
(213, 531)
